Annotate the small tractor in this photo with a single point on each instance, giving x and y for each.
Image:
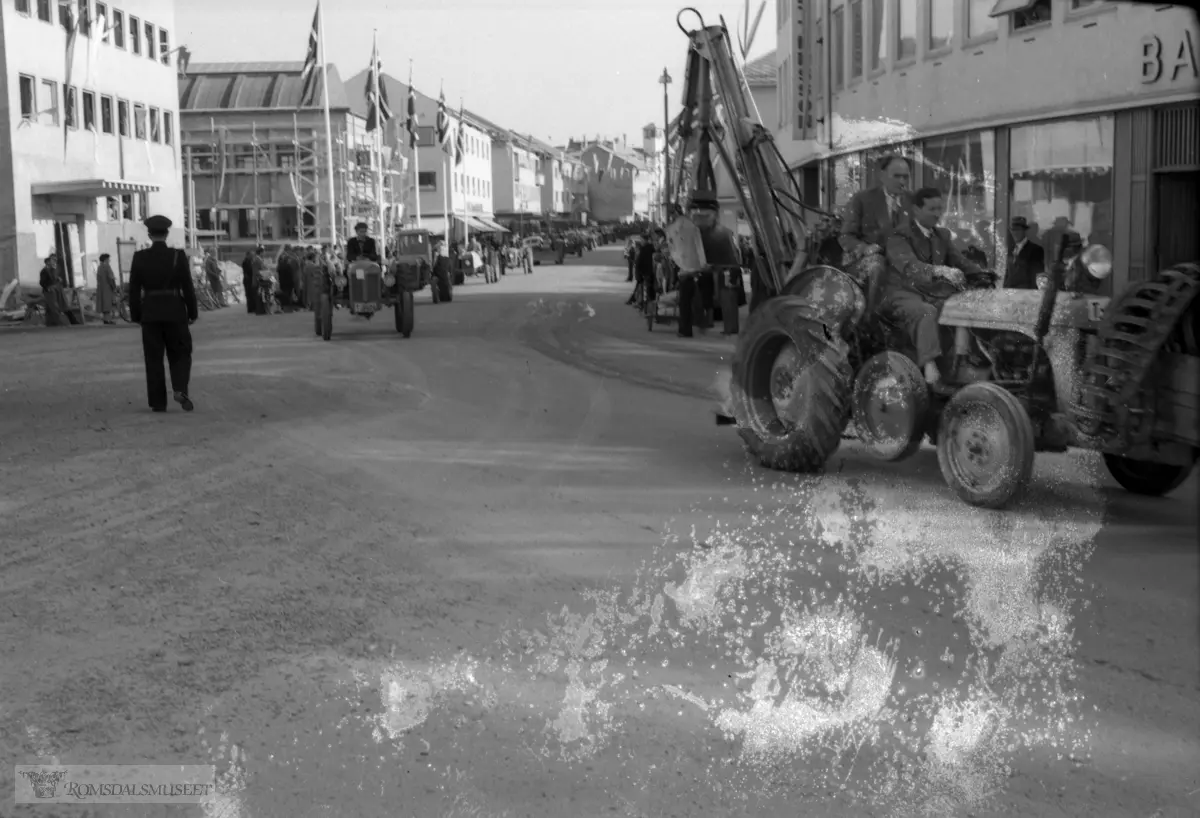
(1030, 370)
(364, 288)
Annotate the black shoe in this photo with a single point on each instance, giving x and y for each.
(158, 408)
(184, 401)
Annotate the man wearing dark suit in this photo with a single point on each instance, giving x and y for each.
(720, 252)
(871, 215)
(925, 270)
(1026, 259)
(162, 299)
(361, 245)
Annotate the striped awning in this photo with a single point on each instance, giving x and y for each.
(91, 187)
(491, 225)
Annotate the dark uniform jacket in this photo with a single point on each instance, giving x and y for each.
(1025, 266)
(160, 286)
(867, 219)
(912, 256)
(356, 249)
(720, 248)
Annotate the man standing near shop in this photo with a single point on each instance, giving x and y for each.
(162, 299)
(1026, 260)
(720, 254)
(871, 215)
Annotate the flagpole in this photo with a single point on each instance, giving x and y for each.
(333, 236)
(446, 198)
(462, 123)
(379, 149)
(415, 140)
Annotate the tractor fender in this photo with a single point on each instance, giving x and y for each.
(831, 296)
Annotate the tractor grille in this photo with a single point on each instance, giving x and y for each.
(368, 289)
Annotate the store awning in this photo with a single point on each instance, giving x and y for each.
(495, 228)
(478, 226)
(436, 225)
(91, 188)
(1004, 7)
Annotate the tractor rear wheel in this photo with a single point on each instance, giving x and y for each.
(326, 313)
(986, 445)
(1144, 478)
(791, 386)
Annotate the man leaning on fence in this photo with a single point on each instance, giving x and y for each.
(162, 298)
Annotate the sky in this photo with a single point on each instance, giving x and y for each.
(555, 69)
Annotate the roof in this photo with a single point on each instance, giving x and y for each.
(760, 72)
(254, 85)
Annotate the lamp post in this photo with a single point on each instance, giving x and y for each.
(665, 79)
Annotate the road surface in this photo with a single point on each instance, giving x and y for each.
(510, 567)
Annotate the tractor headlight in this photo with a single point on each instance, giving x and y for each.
(389, 280)
(1098, 261)
(340, 281)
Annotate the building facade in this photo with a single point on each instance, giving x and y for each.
(618, 180)
(85, 157)
(1076, 114)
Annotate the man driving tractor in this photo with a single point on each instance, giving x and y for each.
(925, 268)
(361, 245)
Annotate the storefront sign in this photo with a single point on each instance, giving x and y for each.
(1175, 60)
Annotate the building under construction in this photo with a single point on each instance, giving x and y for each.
(255, 159)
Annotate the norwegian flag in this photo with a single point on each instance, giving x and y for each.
(308, 75)
(443, 123)
(460, 139)
(379, 111)
(411, 124)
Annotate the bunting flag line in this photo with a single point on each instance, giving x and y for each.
(411, 124)
(308, 75)
(379, 111)
(443, 123)
(460, 138)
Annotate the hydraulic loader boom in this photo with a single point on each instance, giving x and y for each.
(719, 117)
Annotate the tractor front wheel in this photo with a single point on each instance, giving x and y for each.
(1144, 478)
(404, 314)
(986, 445)
(326, 313)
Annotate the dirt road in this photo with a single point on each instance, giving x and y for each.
(454, 575)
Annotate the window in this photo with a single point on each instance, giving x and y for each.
(44, 10)
(164, 46)
(847, 178)
(28, 87)
(89, 111)
(879, 21)
(139, 120)
(66, 18)
(1062, 179)
(71, 99)
(106, 114)
(123, 117)
(963, 168)
(135, 35)
(1035, 15)
(856, 39)
(941, 24)
(101, 19)
(85, 18)
(49, 114)
(426, 138)
(906, 43)
(23, 7)
(118, 28)
(127, 207)
(979, 24)
(149, 29)
(839, 48)
(427, 180)
(168, 128)
(155, 131)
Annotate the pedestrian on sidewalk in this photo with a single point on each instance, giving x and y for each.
(248, 282)
(630, 256)
(106, 289)
(162, 298)
(54, 300)
(643, 270)
(212, 271)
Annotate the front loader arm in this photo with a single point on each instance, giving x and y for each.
(719, 118)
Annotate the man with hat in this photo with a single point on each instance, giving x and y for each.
(162, 299)
(720, 254)
(1026, 259)
(360, 245)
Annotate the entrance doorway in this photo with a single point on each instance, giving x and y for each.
(64, 251)
(1178, 209)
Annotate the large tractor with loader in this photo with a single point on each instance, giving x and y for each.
(1029, 371)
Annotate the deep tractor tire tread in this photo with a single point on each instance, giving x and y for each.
(404, 314)
(1023, 450)
(1146, 479)
(808, 446)
(326, 312)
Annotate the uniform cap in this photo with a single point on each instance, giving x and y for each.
(1020, 222)
(362, 226)
(157, 224)
(703, 199)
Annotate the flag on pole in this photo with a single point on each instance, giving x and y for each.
(308, 74)
(411, 124)
(67, 15)
(460, 138)
(379, 110)
(443, 123)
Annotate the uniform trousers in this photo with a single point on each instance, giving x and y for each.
(175, 339)
(693, 310)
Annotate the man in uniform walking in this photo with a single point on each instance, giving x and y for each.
(162, 299)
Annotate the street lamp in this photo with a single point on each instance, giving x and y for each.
(665, 79)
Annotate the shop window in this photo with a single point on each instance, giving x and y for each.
(139, 121)
(427, 180)
(118, 28)
(963, 168)
(49, 113)
(123, 117)
(1062, 179)
(941, 23)
(89, 111)
(839, 48)
(135, 35)
(28, 88)
(979, 21)
(106, 114)
(906, 35)
(1035, 15)
(879, 23)
(44, 10)
(856, 39)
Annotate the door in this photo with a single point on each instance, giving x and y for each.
(66, 255)
(1178, 209)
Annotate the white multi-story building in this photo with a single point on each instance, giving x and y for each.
(84, 157)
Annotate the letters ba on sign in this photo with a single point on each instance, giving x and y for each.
(1174, 60)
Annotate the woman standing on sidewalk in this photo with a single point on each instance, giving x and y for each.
(106, 289)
